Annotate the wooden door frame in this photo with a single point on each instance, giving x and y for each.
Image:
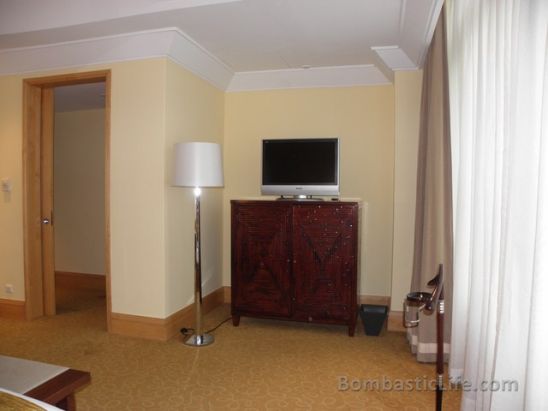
(38, 291)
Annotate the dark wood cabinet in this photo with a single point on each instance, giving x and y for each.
(295, 260)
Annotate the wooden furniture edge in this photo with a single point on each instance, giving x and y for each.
(12, 309)
(60, 387)
(80, 281)
(162, 329)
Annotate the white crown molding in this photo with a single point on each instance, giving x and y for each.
(172, 43)
(97, 50)
(434, 15)
(338, 76)
(395, 58)
(168, 42)
(189, 54)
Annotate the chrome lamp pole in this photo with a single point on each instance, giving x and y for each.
(198, 164)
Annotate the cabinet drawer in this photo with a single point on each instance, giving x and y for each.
(322, 312)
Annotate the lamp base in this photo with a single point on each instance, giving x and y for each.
(200, 340)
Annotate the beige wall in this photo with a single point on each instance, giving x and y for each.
(11, 205)
(155, 103)
(408, 100)
(79, 191)
(194, 113)
(137, 188)
(137, 185)
(362, 117)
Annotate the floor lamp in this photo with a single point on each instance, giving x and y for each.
(198, 165)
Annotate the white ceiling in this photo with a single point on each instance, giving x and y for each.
(235, 44)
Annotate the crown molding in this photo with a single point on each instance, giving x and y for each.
(189, 54)
(174, 44)
(337, 76)
(434, 15)
(395, 58)
(168, 42)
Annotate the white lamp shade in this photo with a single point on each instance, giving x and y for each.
(198, 165)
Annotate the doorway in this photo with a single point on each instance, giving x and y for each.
(38, 165)
(78, 192)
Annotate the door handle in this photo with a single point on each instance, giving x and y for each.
(48, 220)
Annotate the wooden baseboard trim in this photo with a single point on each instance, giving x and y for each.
(12, 309)
(162, 329)
(138, 326)
(395, 321)
(80, 281)
(227, 294)
(185, 316)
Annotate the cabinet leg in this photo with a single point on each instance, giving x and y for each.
(235, 320)
(351, 328)
(68, 403)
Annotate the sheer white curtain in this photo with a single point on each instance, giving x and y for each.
(498, 82)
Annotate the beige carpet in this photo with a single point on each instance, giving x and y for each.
(260, 365)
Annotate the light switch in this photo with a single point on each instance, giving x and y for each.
(6, 185)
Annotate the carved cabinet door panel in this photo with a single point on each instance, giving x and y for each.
(324, 263)
(261, 259)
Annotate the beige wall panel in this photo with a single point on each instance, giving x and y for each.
(408, 100)
(194, 112)
(79, 191)
(137, 184)
(11, 204)
(363, 119)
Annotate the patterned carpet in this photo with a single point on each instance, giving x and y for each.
(260, 365)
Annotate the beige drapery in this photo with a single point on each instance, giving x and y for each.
(433, 215)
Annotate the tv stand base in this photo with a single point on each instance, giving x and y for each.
(299, 198)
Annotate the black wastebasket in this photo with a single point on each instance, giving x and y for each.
(373, 318)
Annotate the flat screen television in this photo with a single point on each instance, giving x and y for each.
(300, 167)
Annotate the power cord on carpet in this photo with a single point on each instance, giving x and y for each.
(189, 331)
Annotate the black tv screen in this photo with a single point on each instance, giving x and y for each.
(301, 166)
